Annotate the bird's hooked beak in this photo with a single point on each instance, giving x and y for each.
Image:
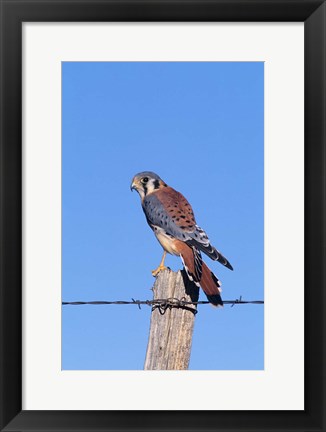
(132, 186)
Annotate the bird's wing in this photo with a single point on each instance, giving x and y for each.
(200, 241)
(169, 210)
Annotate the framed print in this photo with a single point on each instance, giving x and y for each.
(223, 101)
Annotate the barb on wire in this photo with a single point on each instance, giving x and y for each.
(163, 304)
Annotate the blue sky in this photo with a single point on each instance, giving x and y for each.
(199, 125)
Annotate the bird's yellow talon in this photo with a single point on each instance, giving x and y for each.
(159, 269)
(161, 266)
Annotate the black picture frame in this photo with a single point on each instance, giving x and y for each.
(13, 14)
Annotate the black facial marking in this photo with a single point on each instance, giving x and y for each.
(156, 184)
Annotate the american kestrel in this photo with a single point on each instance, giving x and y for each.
(172, 220)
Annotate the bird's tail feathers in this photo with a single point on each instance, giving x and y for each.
(211, 286)
(201, 275)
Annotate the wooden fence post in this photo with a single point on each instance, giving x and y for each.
(170, 336)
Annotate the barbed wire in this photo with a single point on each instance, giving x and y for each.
(162, 304)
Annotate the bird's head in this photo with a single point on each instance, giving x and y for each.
(146, 182)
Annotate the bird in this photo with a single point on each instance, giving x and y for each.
(173, 222)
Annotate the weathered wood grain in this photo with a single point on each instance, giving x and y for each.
(170, 336)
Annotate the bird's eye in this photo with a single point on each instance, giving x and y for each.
(144, 180)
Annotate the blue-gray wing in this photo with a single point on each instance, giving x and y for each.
(170, 211)
(157, 214)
